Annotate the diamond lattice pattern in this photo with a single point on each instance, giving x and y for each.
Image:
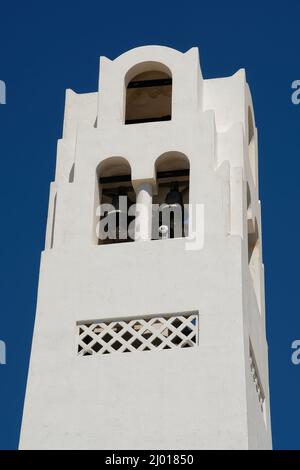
(256, 378)
(156, 333)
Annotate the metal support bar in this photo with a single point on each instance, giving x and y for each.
(149, 83)
(152, 119)
(160, 175)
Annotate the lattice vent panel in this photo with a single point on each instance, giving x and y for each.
(124, 336)
(256, 378)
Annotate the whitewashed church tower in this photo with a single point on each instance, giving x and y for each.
(152, 340)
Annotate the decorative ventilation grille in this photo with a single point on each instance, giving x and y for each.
(156, 333)
(256, 378)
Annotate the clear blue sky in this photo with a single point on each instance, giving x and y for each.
(46, 47)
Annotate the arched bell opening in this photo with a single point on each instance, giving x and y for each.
(170, 215)
(254, 257)
(148, 94)
(116, 196)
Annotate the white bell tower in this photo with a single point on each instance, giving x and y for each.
(152, 339)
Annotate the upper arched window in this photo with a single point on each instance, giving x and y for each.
(251, 143)
(250, 125)
(149, 97)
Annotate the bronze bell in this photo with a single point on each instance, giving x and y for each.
(172, 211)
(174, 196)
(118, 226)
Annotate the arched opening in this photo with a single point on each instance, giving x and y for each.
(53, 221)
(254, 260)
(72, 173)
(149, 95)
(251, 144)
(115, 196)
(250, 125)
(170, 217)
